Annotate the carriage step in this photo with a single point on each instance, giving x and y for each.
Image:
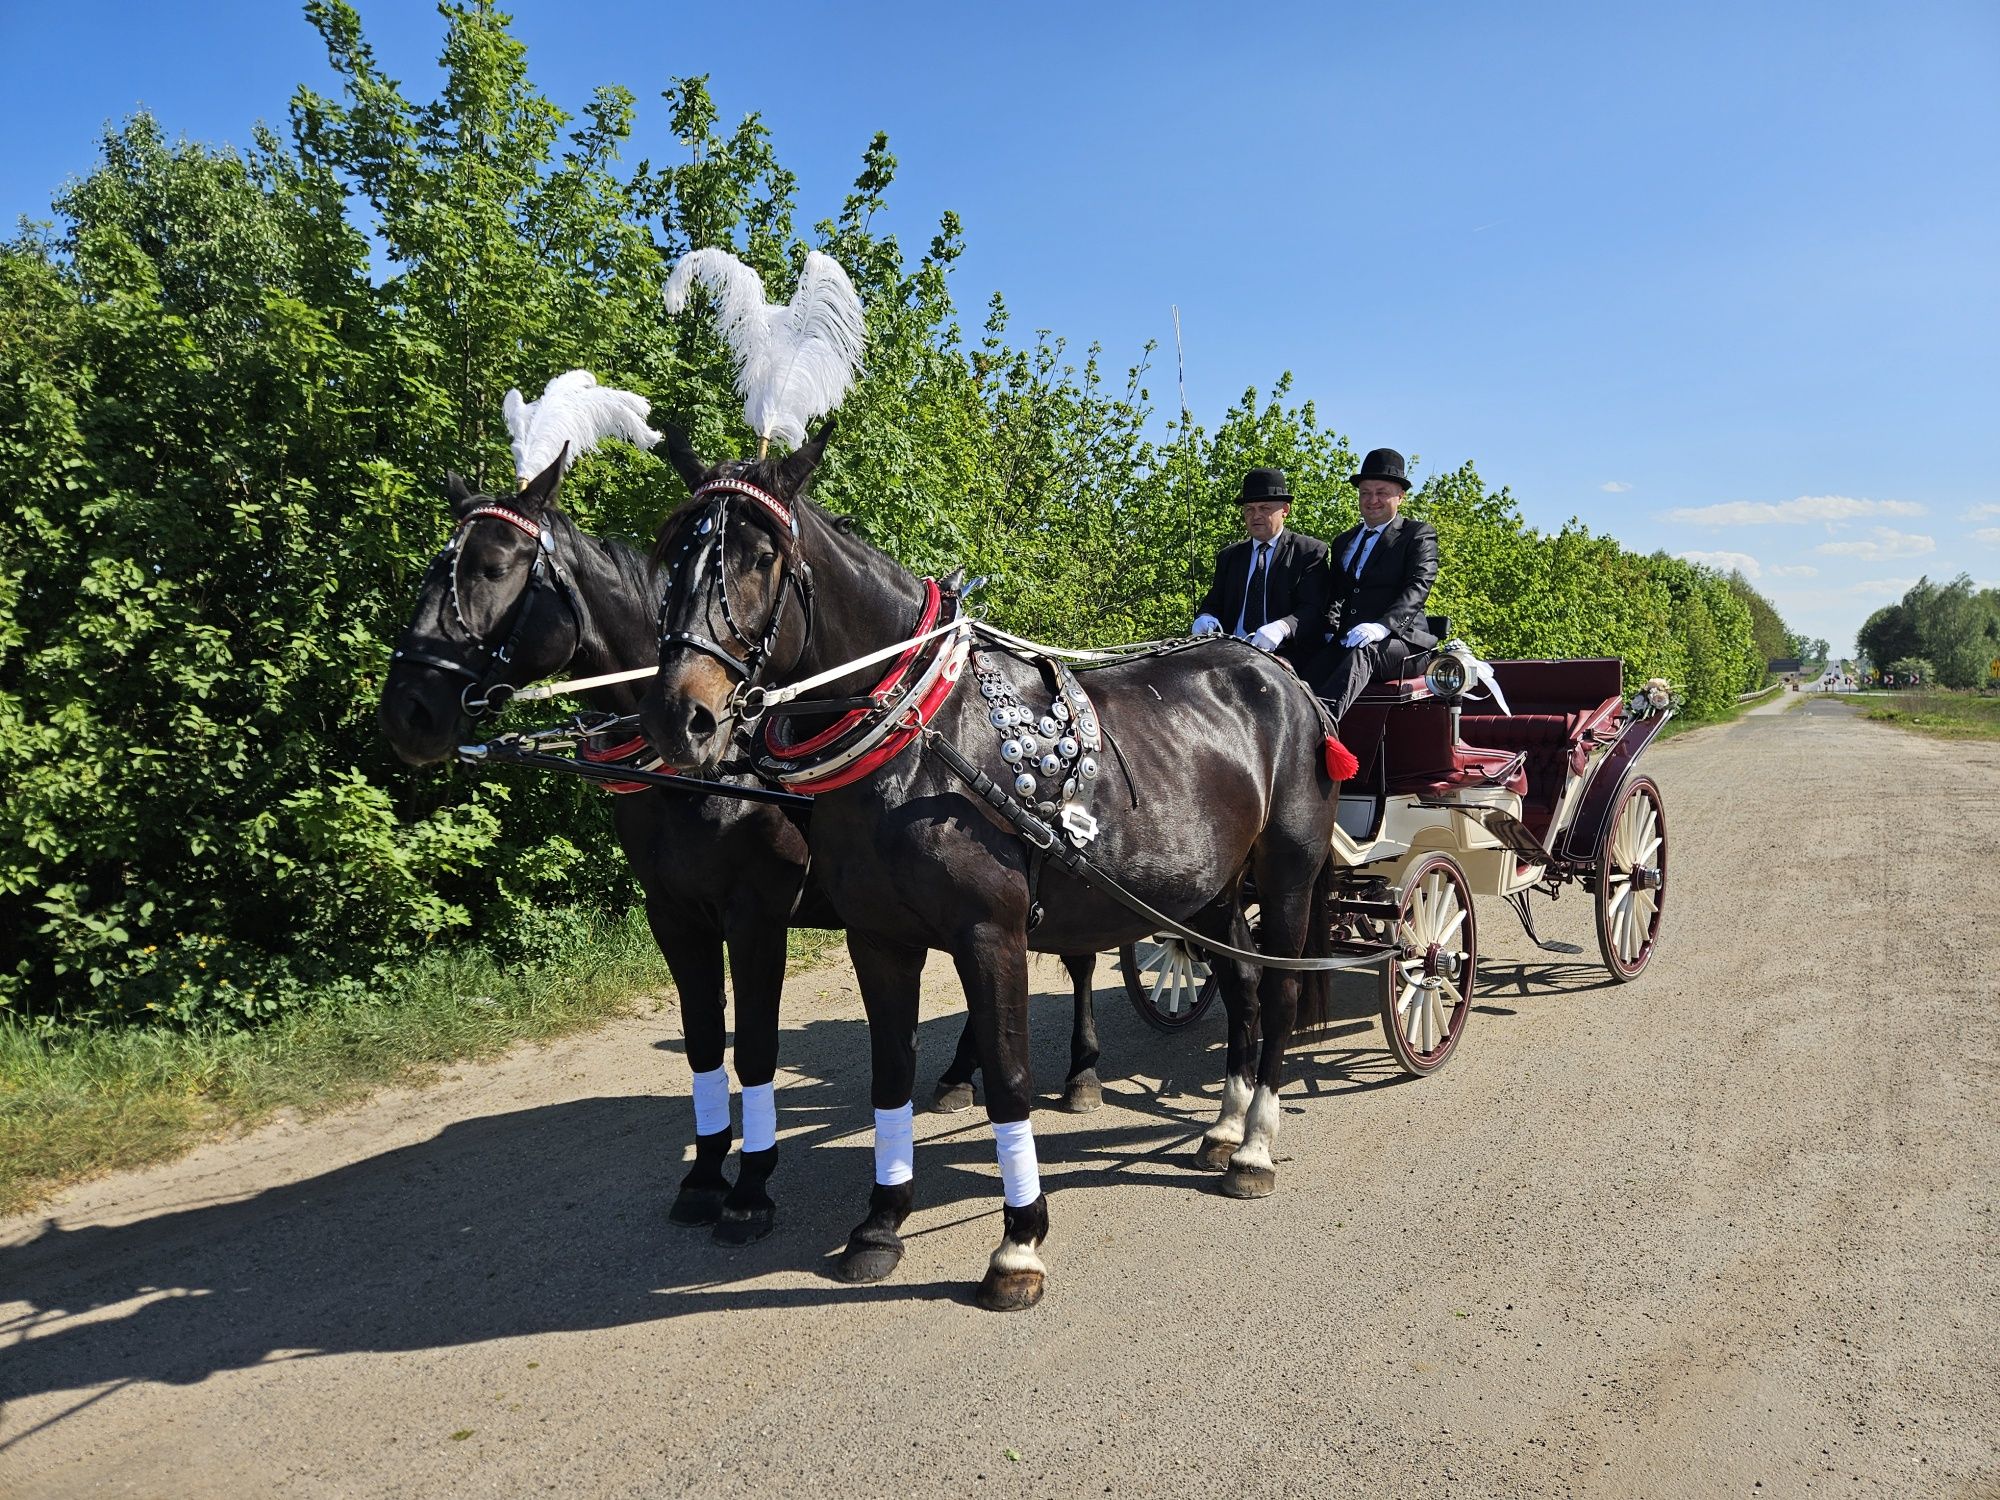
(1519, 901)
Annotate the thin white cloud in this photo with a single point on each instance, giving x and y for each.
(1725, 562)
(1802, 511)
(1883, 543)
(1989, 535)
(1982, 513)
(1892, 586)
(1795, 570)
(1614, 486)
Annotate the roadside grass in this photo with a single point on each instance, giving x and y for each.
(1681, 724)
(1939, 713)
(76, 1102)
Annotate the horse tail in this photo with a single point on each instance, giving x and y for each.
(1316, 985)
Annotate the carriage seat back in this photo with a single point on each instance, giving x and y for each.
(1553, 749)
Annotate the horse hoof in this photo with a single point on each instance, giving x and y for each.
(1214, 1154)
(1082, 1095)
(1249, 1182)
(952, 1098)
(698, 1207)
(860, 1264)
(1010, 1291)
(745, 1226)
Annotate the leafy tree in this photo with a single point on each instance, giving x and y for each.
(231, 385)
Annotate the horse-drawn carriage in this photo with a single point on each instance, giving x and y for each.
(1455, 799)
(958, 821)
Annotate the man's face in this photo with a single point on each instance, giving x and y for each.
(1264, 519)
(1380, 500)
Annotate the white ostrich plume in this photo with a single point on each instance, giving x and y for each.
(576, 411)
(793, 362)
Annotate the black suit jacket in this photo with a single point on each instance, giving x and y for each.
(1296, 588)
(1394, 584)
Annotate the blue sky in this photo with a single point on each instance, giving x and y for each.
(1721, 279)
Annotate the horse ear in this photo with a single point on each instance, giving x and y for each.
(458, 494)
(687, 463)
(797, 470)
(540, 490)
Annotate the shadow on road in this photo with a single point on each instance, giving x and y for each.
(552, 1218)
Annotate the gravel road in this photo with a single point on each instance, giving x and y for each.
(1727, 1231)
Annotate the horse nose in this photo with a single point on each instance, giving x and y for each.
(683, 731)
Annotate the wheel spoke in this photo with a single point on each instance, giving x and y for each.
(1162, 977)
(1449, 930)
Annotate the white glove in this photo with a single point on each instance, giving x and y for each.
(1270, 637)
(1365, 635)
(1205, 625)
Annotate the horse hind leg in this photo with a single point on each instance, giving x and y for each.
(954, 1088)
(1082, 1092)
(1239, 997)
(1252, 1170)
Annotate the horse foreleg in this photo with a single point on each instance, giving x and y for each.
(1239, 999)
(889, 976)
(757, 967)
(693, 953)
(993, 965)
(1082, 1092)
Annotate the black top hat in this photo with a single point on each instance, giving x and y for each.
(1263, 484)
(1382, 463)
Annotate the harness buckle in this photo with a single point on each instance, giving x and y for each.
(1080, 825)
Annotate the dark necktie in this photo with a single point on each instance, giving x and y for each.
(1260, 587)
(1360, 555)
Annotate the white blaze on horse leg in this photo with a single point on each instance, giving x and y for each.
(760, 1116)
(1011, 1255)
(1261, 1134)
(711, 1101)
(895, 1146)
(1020, 1174)
(1235, 1105)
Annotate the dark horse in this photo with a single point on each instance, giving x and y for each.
(521, 594)
(1217, 767)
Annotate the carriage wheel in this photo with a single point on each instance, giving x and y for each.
(1427, 981)
(1632, 880)
(1167, 982)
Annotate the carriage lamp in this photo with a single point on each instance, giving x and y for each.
(1452, 671)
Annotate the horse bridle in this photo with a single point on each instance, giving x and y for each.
(485, 693)
(798, 579)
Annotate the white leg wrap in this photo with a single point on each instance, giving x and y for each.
(760, 1117)
(1235, 1105)
(1261, 1133)
(711, 1101)
(895, 1146)
(1020, 1176)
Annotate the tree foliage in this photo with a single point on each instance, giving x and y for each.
(1952, 627)
(231, 383)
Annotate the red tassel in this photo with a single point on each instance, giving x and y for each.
(1340, 761)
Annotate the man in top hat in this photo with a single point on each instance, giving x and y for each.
(1380, 574)
(1271, 587)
